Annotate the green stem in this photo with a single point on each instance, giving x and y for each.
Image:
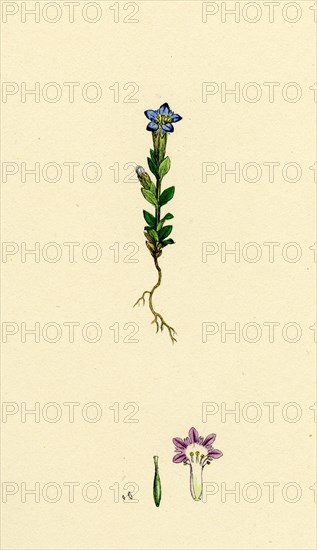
(159, 144)
(158, 194)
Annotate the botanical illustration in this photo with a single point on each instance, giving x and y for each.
(197, 452)
(157, 489)
(157, 231)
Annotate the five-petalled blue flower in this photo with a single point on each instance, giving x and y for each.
(161, 119)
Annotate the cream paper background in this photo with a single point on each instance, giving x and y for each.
(169, 53)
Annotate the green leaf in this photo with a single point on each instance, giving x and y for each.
(154, 235)
(167, 217)
(152, 154)
(150, 186)
(164, 167)
(152, 167)
(168, 241)
(165, 232)
(167, 195)
(149, 196)
(150, 220)
(153, 188)
(163, 220)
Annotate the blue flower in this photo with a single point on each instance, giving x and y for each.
(162, 118)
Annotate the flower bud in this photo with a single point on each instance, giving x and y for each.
(143, 177)
(140, 171)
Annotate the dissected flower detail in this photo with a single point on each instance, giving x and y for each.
(157, 488)
(156, 231)
(197, 452)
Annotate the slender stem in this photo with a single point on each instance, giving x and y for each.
(158, 194)
(159, 144)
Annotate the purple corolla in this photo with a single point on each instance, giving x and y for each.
(197, 452)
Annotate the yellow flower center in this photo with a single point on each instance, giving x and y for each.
(162, 119)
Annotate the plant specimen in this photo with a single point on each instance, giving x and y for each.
(197, 452)
(156, 231)
(157, 489)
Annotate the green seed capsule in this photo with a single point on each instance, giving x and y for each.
(157, 491)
